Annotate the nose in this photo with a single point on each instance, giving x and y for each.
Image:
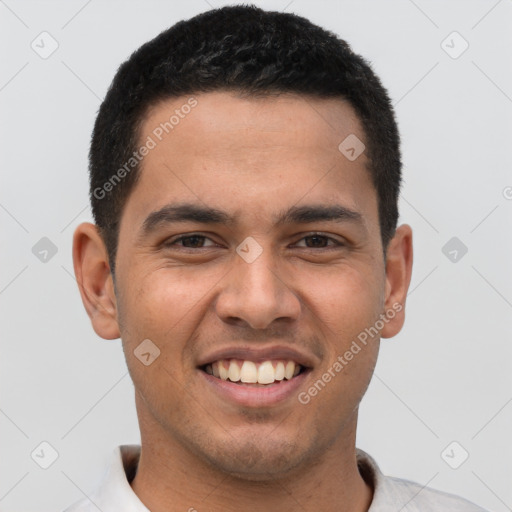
(255, 294)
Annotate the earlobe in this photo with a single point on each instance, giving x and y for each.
(398, 277)
(92, 271)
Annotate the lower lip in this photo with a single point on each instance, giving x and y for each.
(252, 396)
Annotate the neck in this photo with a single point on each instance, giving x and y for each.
(169, 478)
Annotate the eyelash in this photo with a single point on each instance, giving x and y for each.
(171, 243)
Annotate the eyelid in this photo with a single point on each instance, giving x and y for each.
(170, 242)
(337, 243)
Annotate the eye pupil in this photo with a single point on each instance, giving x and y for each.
(193, 237)
(317, 238)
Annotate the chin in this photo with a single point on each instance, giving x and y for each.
(256, 459)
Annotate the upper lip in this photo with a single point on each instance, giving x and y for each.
(258, 355)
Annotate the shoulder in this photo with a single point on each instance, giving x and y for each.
(84, 505)
(416, 497)
(391, 494)
(113, 491)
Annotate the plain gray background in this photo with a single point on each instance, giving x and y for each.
(446, 377)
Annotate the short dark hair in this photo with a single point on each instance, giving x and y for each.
(247, 50)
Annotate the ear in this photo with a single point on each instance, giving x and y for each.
(398, 278)
(92, 271)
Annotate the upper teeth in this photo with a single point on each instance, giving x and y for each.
(266, 372)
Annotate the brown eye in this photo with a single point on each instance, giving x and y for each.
(192, 241)
(318, 241)
(188, 242)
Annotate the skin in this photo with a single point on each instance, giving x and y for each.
(252, 158)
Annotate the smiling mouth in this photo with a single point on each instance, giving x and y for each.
(250, 373)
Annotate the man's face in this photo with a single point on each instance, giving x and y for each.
(314, 286)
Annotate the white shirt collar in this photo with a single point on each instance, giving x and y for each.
(115, 494)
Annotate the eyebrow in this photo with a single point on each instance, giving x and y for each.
(189, 212)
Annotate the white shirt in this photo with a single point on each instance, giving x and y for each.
(390, 494)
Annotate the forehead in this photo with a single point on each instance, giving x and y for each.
(219, 149)
(223, 116)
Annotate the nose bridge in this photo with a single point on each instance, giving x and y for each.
(259, 277)
(255, 291)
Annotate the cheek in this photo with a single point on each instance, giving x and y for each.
(346, 300)
(162, 299)
(165, 306)
(343, 305)
(337, 393)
